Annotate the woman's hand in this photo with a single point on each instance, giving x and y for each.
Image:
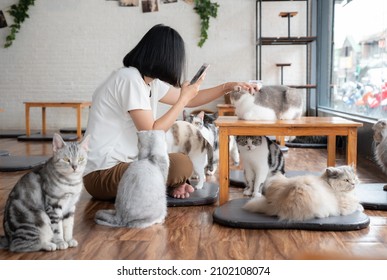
(251, 87)
(189, 92)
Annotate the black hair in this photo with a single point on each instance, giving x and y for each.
(159, 54)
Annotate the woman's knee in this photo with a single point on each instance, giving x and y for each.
(180, 169)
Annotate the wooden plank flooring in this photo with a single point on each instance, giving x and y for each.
(190, 234)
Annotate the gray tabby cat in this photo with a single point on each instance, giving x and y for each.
(269, 103)
(141, 199)
(261, 158)
(380, 139)
(309, 196)
(39, 212)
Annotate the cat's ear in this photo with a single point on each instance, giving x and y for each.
(185, 115)
(57, 142)
(237, 88)
(85, 142)
(333, 172)
(201, 115)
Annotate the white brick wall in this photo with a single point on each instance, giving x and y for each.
(66, 48)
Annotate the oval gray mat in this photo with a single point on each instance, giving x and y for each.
(231, 214)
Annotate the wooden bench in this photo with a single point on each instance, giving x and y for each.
(78, 105)
(305, 126)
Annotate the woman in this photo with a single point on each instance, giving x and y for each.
(126, 102)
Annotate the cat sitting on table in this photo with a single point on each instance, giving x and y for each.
(275, 102)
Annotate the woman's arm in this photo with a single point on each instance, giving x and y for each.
(207, 95)
(143, 119)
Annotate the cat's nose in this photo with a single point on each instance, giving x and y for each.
(74, 166)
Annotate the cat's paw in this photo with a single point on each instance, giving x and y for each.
(199, 185)
(49, 247)
(62, 245)
(210, 172)
(72, 243)
(247, 192)
(257, 194)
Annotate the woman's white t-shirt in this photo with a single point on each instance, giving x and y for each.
(113, 135)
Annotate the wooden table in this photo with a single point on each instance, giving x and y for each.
(223, 109)
(305, 126)
(78, 105)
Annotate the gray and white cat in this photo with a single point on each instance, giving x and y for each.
(184, 137)
(269, 103)
(207, 120)
(380, 139)
(261, 158)
(205, 123)
(39, 212)
(141, 199)
(309, 196)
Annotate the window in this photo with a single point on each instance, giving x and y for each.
(359, 66)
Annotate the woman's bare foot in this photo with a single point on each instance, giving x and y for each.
(181, 191)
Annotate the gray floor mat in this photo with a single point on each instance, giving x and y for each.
(207, 195)
(46, 137)
(18, 163)
(231, 214)
(372, 196)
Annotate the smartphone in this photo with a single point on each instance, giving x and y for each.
(202, 69)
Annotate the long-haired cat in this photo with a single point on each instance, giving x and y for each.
(269, 103)
(141, 196)
(380, 139)
(261, 157)
(309, 196)
(39, 212)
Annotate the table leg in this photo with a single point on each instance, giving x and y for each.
(224, 167)
(79, 125)
(331, 150)
(44, 121)
(28, 128)
(281, 140)
(352, 147)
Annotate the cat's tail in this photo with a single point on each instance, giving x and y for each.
(4, 244)
(107, 218)
(257, 204)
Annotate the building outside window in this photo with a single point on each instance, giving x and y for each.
(359, 66)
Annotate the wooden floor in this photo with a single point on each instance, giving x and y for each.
(189, 232)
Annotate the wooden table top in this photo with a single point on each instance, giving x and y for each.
(57, 103)
(225, 106)
(233, 121)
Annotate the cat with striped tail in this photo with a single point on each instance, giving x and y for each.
(39, 212)
(261, 158)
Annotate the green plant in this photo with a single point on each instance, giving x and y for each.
(205, 9)
(19, 12)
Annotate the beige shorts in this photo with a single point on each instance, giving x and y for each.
(103, 184)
